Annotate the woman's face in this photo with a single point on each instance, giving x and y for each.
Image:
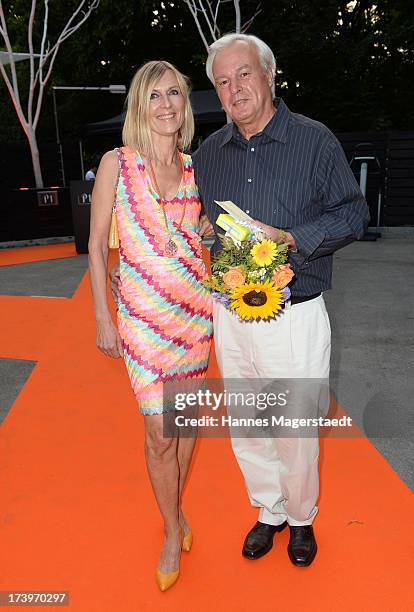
(166, 108)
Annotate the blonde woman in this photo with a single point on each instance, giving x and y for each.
(164, 316)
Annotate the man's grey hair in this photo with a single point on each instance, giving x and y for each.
(266, 57)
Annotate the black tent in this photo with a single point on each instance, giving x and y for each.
(206, 107)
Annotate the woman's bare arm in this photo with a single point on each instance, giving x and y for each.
(107, 337)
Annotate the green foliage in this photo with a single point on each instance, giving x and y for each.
(239, 256)
(348, 64)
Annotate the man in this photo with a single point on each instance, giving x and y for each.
(91, 174)
(287, 171)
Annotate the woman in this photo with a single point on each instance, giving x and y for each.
(164, 312)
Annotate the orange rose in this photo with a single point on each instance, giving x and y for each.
(283, 275)
(233, 278)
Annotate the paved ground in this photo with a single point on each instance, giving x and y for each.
(57, 278)
(13, 375)
(372, 315)
(371, 308)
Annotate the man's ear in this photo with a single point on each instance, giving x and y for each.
(269, 77)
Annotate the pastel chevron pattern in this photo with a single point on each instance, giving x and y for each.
(164, 312)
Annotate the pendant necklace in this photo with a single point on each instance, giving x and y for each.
(171, 247)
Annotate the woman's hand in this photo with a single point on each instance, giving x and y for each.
(108, 339)
(205, 227)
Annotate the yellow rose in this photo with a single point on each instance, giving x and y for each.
(233, 278)
(283, 275)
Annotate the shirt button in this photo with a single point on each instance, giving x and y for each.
(252, 149)
(249, 180)
(248, 211)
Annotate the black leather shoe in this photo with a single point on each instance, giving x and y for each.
(259, 540)
(302, 546)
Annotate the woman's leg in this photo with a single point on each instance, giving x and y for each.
(163, 470)
(184, 454)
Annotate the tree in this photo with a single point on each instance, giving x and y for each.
(346, 63)
(40, 65)
(205, 14)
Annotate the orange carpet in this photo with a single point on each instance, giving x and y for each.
(77, 512)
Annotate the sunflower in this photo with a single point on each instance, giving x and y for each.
(257, 300)
(264, 252)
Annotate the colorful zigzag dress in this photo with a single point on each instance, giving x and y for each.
(164, 312)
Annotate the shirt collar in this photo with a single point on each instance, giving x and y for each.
(276, 129)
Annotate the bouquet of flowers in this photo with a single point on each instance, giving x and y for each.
(250, 277)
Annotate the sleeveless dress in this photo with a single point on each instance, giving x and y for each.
(164, 312)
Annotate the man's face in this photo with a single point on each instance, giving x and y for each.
(243, 88)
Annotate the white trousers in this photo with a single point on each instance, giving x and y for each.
(281, 474)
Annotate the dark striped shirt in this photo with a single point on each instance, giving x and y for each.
(293, 175)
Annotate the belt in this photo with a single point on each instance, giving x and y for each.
(298, 299)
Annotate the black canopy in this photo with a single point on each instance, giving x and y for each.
(206, 107)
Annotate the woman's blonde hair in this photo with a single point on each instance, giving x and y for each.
(136, 132)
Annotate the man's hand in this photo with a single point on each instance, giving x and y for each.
(115, 279)
(205, 227)
(277, 235)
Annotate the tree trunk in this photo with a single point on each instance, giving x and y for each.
(31, 136)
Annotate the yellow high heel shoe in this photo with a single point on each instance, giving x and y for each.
(165, 581)
(187, 542)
